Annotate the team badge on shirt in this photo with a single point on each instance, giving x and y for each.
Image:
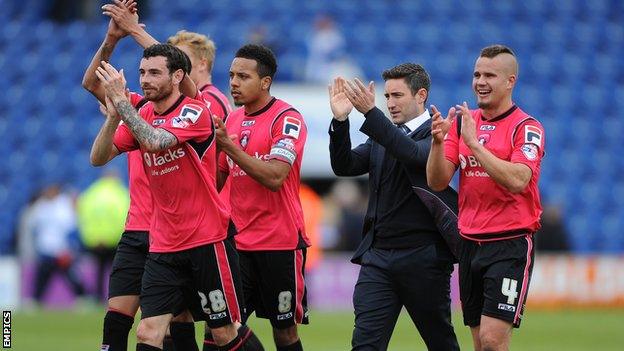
(244, 138)
(292, 127)
(483, 138)
(532, 135)
(189, 115)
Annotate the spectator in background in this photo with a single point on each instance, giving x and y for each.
(102, 210)
(51, 222)
(553, 236)
(312, 207)
(260, 35)
(327, 56)
(352, 206)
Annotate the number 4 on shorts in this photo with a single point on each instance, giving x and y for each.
(510, 289)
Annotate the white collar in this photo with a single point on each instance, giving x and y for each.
(418, 121)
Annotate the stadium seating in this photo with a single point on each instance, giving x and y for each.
(571, 78)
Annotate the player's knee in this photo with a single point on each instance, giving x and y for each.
(286, 336)
(127, 305)
(490, 341)
(149, 333)
(184, 317)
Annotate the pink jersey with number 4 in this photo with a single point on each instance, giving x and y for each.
(488, 211)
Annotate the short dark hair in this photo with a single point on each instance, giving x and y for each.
(495, 50)
(176, 58)
(267, 64)
(414, 74)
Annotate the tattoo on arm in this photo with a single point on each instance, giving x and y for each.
(107, 51)
(155, 139)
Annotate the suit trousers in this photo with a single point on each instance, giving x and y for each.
(415, 278)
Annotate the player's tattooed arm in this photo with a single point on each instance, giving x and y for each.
(113, 34)
(153, 139)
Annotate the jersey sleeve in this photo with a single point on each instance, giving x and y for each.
(216, 105)
(288, 136)
(451, 144)
(193, 123)
(528, 144)
(123, 139)
(137, 100)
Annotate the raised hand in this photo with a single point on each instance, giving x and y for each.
(338, 100)
(362, 97)
(224, 141)
(440, 126)
(109, 111)
(124, 16)
(113, 81)
(468, 127)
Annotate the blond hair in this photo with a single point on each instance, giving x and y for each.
(201, 45)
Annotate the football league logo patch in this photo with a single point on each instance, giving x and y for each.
(292, 127)
(530, 151)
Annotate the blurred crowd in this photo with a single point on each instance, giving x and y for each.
(61, 230)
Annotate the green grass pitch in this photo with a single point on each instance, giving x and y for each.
(566, 330)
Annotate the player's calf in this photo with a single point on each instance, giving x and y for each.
(287, 339)
(151, 331)
(116, 328)
(209, 342)
(244, 339)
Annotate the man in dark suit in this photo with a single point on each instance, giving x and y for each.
(404, 259)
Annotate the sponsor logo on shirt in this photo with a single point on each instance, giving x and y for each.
(236, 171)
(158, 121)
(292, 127)
(487, 127)
(154, 160)
(467, 162)
(248, 123)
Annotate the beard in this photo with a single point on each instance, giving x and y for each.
(483, 105)
(156, 94)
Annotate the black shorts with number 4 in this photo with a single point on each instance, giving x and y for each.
(203, 279)
(274, 286)
(128, 264)
(494, 279)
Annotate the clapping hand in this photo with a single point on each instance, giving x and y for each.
(440, 126)
(362, 97)
(338, 100)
